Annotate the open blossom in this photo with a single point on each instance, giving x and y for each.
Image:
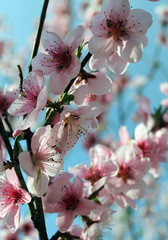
(70, 204)
(74, 123)
(31, 100)
(153, 145)
(101, 169)
(131, 169)
(11, 196)
(60, 63)
(44, 162)
(120, 31)
(94, 84)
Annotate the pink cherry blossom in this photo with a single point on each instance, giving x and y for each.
(71, 203)
(60, 63)
(73, 124)
(101, 169)
(153, 145)
(61, 178)
(121, 30)
(31, 100)
(44, 162)
(11, 196)
(131, 169)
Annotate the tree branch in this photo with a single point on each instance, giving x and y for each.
(39, 32)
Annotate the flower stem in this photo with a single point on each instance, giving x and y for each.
(83, 63)
(21, 78)
(36, 45)
(41, 220)
(4, 135)
(66, 236)
(39, 31)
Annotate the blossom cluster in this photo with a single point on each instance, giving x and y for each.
(74, 101)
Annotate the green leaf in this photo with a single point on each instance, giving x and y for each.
(66, 98)
(79, 49)
(17, 147)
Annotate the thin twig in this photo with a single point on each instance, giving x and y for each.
(21, 78)
(39, 32)
(83, 63)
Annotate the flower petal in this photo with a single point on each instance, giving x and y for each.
(139, 21)
(64, 220)
(27, 165)
(116, 64)
(101, 47)
(100, 85)
(74, 38)
(38, 186)
(98, 25)
(13, 218)
(132, 50)
(116, 9)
